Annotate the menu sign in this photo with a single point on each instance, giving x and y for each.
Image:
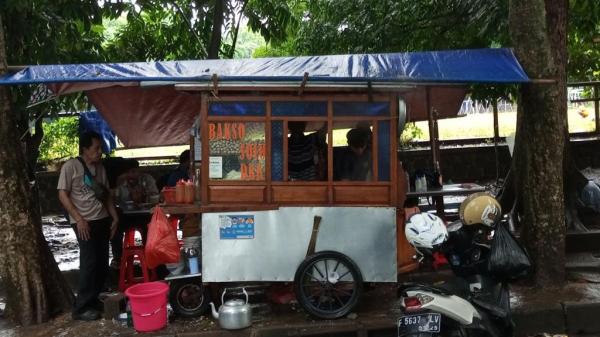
(241, 147)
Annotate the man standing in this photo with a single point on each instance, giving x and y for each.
(82, 190)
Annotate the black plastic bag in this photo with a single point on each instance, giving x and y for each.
(508, 259)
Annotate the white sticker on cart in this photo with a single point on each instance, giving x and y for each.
(215, 167)
(232, 227)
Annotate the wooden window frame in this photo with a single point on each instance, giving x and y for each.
(332, 187)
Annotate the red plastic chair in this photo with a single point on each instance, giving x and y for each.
(132, 253)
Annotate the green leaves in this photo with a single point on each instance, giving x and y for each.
(338, 26)
(584, 40)
(59, 136)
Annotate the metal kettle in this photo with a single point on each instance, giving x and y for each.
(233, 314)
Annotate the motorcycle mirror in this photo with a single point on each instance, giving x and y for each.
(454, 226)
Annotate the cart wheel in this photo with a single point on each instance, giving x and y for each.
(328, 284)
(188, 297)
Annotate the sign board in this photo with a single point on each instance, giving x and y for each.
(233, 227)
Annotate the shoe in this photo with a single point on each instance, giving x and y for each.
(115, 264)
(88, 315)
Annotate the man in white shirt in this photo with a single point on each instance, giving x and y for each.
(83, 192)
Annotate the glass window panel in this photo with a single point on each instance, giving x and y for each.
(383, 150)
(299, 108)
(277, 151)
(237, 109)
(307, 150)
(352, 151)
(237, 150)
(361, 109)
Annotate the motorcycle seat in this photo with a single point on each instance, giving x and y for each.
(456, 287)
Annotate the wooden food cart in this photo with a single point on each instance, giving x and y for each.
(260, 220)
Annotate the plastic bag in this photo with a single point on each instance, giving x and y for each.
(161, 246)
(508, 259)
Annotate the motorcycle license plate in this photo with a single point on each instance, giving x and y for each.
(419, 323)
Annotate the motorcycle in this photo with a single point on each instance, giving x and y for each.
(474, 303)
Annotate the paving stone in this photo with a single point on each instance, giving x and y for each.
(582, 317)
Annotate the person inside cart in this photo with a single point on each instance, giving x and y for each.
(304, 159)
(182, 171)
(135, 190)
(355, 161)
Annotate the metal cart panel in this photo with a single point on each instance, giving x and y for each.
(278, 241)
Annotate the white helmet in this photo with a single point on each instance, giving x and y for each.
(424, 230)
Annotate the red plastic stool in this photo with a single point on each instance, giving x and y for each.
(132, 253)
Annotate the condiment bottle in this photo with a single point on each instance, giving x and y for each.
(197, 184)
(180, 192)
(189, 192)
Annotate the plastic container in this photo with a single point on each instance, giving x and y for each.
(180, 192)
(169, 195)
(193, 264)
(148, 305)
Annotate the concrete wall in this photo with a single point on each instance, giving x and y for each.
(478, 163)
(460, 164)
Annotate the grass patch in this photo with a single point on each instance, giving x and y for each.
(482, 125)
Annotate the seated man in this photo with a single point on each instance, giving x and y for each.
(134, 188)
(303, 152)
(182, 171)
(355, 160)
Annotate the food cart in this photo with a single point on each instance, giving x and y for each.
(259, 222)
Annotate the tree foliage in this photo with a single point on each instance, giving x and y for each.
(185, 29)
(363, 26)
(584, 40)
(338, 26)
(60, 140)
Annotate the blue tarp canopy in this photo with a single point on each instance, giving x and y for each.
(146, 103)
(452, 66)
(93, 121)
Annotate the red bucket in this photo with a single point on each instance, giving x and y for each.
(148, 305)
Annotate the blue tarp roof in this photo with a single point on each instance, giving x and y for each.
(452, 66)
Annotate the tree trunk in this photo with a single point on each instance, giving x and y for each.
(215, 39)
(35, 288)
(540, 140)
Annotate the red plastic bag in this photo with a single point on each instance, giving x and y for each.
(161, 246)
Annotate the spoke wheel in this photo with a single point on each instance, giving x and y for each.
(188, 298)
(328, 284)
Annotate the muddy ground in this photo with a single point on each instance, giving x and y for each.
(377, 303)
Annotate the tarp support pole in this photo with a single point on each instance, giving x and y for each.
(215, 82)
(434, 141)
(597, 108)
(303, 84)
(496, 137)
(432, 121)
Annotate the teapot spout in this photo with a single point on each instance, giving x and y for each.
(214, 310)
